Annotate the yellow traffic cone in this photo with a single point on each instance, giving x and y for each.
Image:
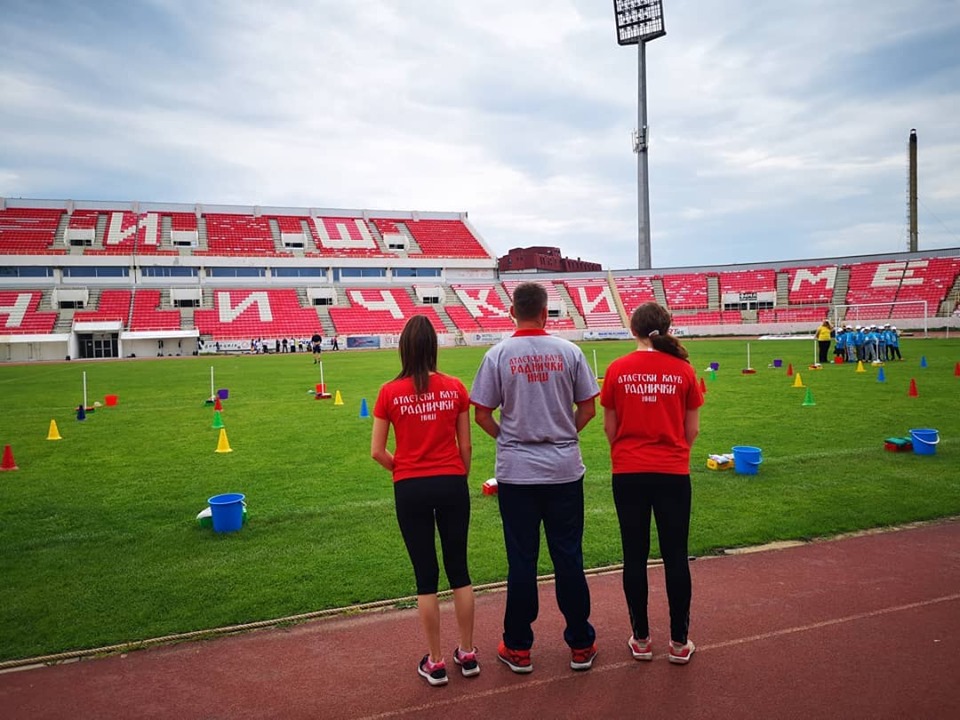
(54, 433)
(337, 400)
(860, 366)
(797, 381)
(223, 445)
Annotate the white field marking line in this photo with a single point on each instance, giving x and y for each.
(426, 707)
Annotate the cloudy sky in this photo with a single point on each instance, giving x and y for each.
(778, 129)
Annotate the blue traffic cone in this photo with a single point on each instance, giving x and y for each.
(81, 413)
(881, 377)
(364, 412)
(923, 361)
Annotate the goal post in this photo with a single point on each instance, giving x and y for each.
(881, 313)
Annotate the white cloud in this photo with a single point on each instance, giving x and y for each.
(767, 119)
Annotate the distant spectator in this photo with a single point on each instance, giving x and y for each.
(823, 341)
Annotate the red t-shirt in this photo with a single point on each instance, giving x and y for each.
(651, 392)
(425, 425)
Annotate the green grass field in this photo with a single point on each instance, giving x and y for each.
(99, 542)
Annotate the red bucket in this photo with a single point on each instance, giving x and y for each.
(110, 400)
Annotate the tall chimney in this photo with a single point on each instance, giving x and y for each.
(912, 200)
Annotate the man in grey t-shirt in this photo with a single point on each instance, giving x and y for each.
(536, 380)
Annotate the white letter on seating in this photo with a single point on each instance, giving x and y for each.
(229, 314)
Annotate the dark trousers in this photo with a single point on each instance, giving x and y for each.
(441, 502)
(823, 346)
(668, 497)
(559, 508)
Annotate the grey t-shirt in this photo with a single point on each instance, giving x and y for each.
(535, 379)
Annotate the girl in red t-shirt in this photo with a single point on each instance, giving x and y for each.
(429, 415)
(651, 417)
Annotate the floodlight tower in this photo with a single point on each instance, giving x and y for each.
(639, 22)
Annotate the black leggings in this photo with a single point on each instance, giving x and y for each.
(444, 501)
(668, 496)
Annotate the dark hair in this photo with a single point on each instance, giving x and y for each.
(652, 321)
(418, 352)
(529, 300)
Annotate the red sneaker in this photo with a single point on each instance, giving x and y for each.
(582, 658)
(681, 654)
(640, 649)
(433, 673)
(516, 660)
(467, 662)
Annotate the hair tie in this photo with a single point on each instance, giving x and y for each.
(653, 333)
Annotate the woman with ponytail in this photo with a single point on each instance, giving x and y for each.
(651, 417)
(429, 413)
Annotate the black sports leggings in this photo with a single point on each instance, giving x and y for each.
(442, 501)
(668, 497)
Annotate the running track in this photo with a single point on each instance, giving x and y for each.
(860, 627)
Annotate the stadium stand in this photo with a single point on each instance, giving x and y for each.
(256, 313)
(238, 235)
(874, 282)
(114, 305)
(686, 291)
(929, 280)
(595, 302)
(445, 239)
(634, 291)
(484, 307)
(748, 281)
(147, 314)
(29, 231)
(120, 235)
(374, 311)
(812, 285)
(358, 265)
(19, 314)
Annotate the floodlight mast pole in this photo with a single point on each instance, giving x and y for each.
(638, 22)
(643, 174)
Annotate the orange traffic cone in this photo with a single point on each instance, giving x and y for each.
(218, 405)
(913, 389)
(703, 386)
(956, 370)
(223, 445)
(789, 369)
(8, 462)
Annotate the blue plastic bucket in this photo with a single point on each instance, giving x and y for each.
(227, 512)
(223, 393)
(924, 441)
(746, 459)
(714, 366)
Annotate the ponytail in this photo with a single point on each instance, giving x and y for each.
(652, 321)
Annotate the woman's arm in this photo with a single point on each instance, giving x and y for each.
(610, 424)
(378, 443)
(463, 439)
(691, 425)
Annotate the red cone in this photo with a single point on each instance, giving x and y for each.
(789, 369)
(703, 386)
(218, 405)
(913, 389)
(8, 461)
(956, 369)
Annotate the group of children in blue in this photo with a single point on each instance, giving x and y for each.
(870, 343)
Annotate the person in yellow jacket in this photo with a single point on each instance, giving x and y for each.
(824, 333)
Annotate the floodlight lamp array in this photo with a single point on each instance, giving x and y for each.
(638, 20)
